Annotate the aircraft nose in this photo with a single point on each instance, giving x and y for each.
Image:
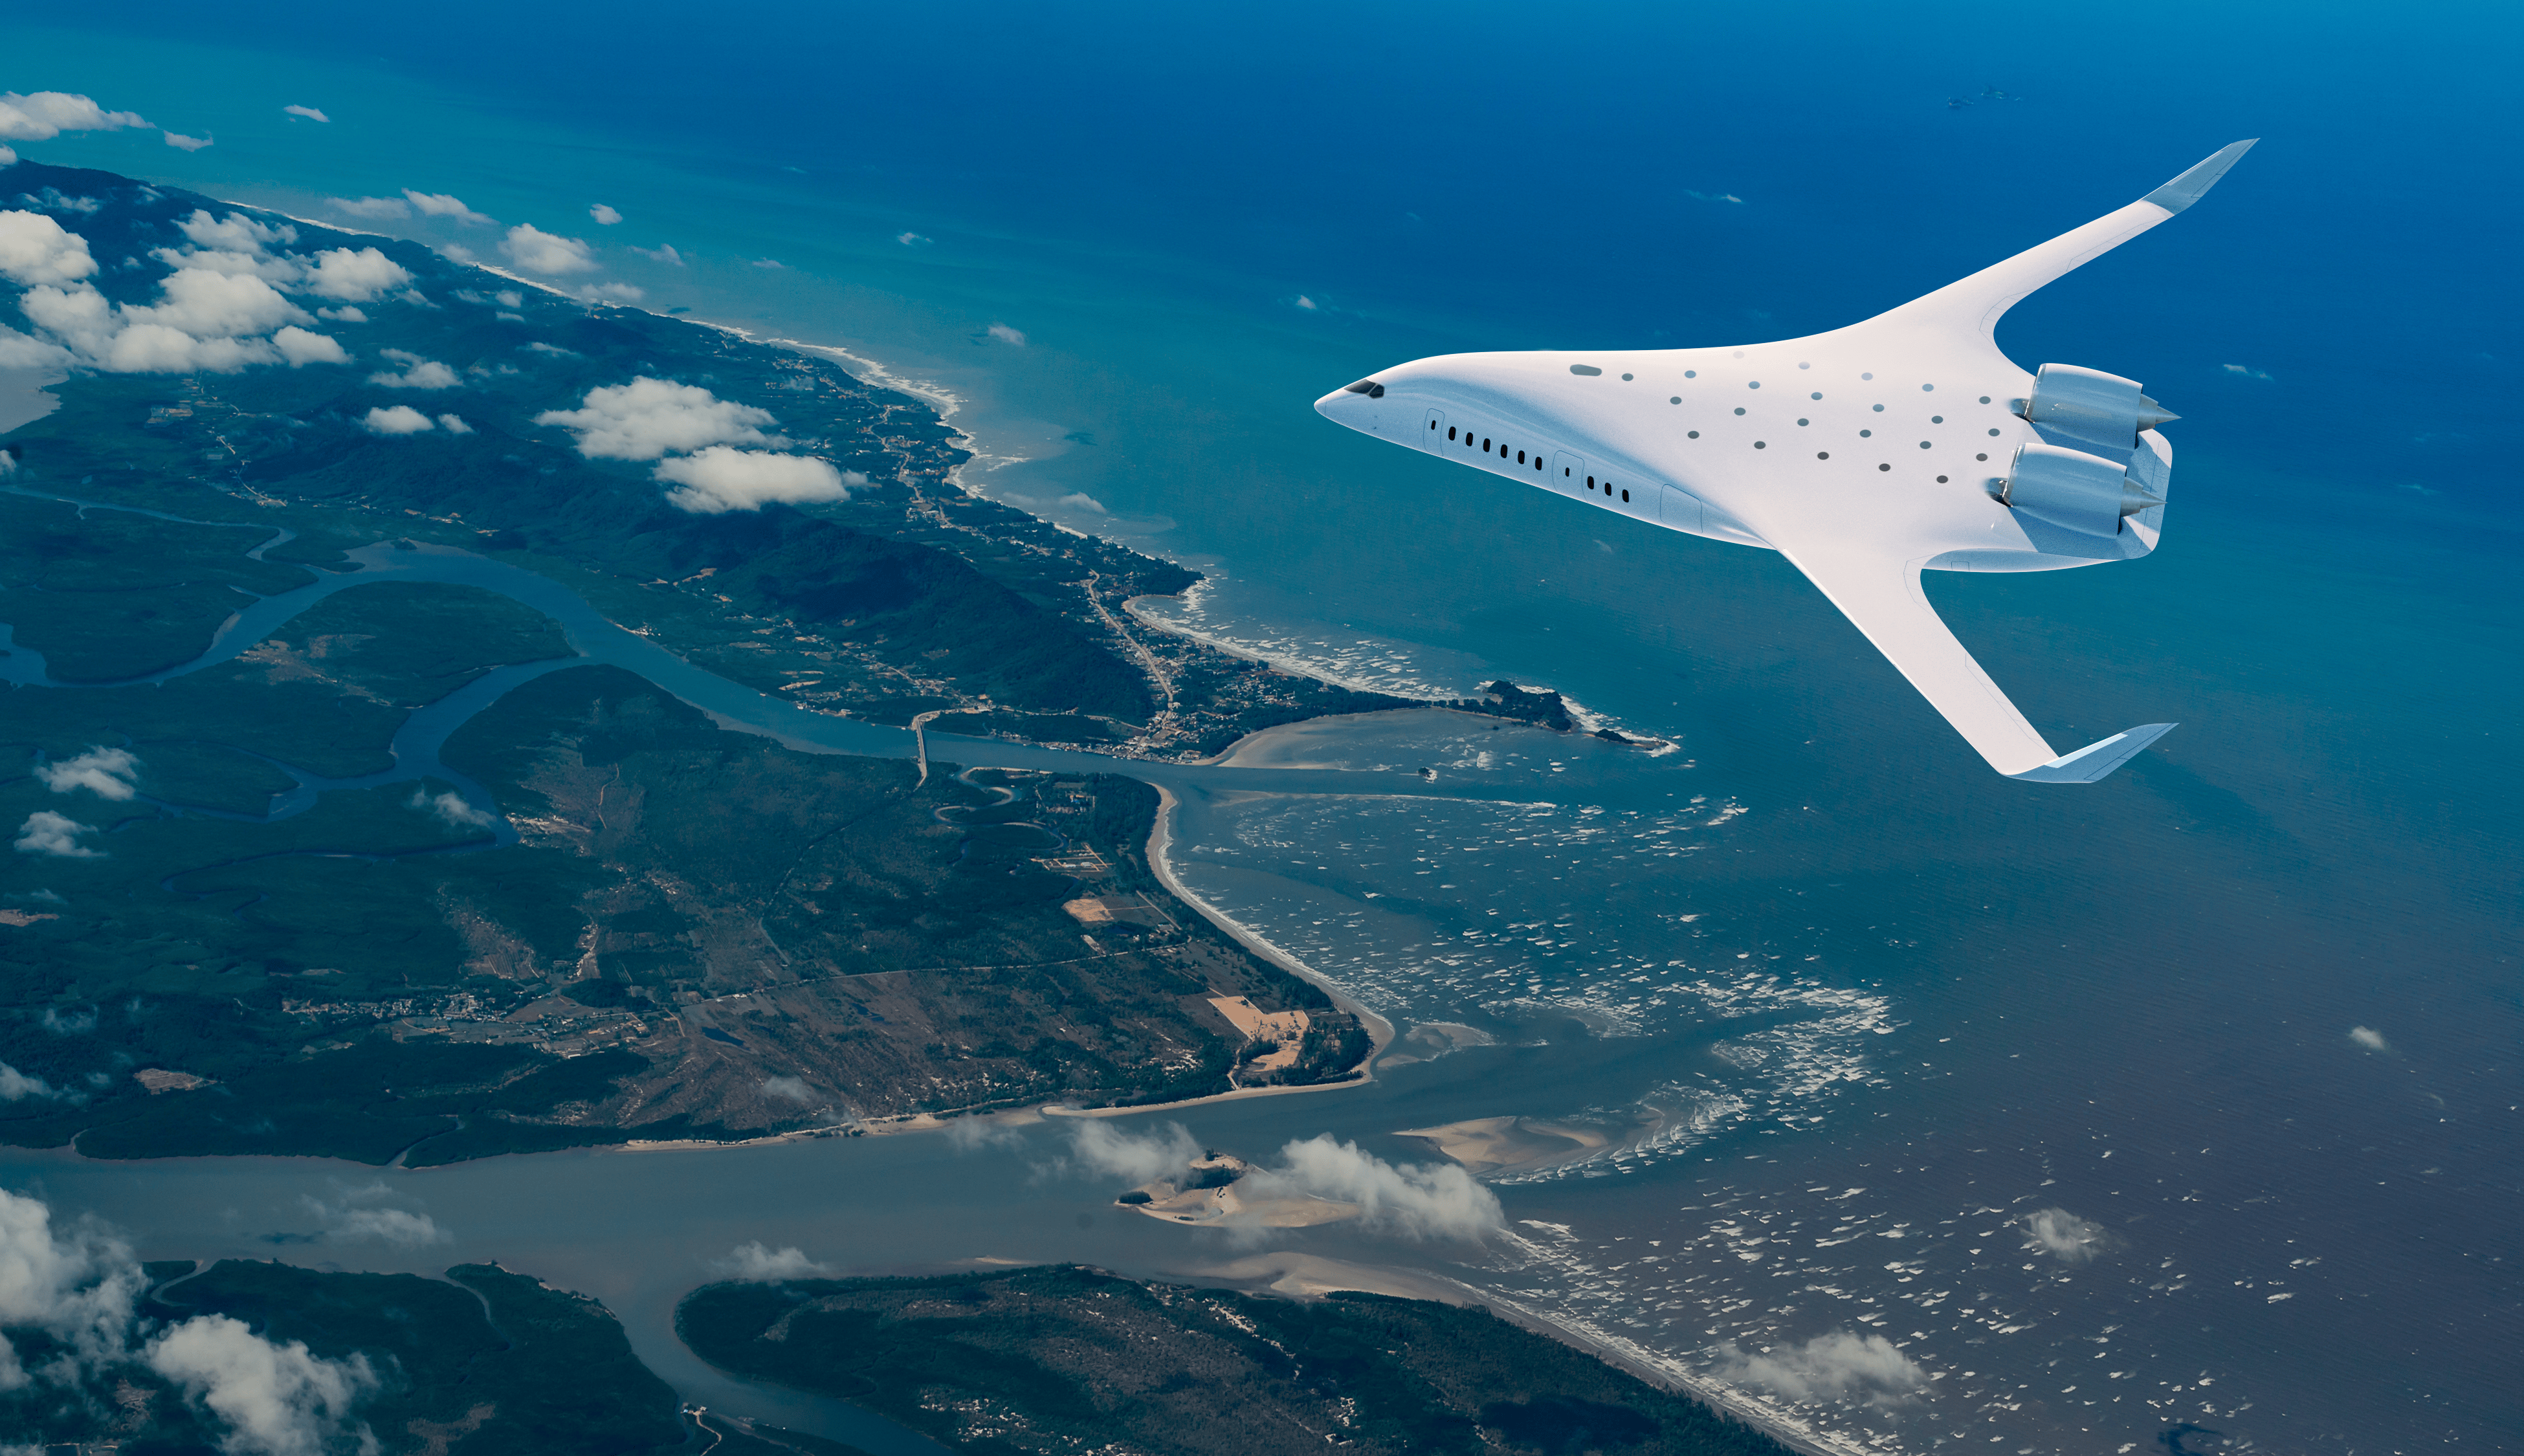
(1351, 404)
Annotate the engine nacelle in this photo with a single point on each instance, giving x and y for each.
(2096, 411)
(2071, 489)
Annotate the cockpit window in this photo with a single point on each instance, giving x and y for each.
(1367, 387)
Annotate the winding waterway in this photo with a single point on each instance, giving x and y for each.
(1815, 1128)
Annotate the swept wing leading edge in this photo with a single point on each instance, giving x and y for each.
(1881, 593)
(2038, 473)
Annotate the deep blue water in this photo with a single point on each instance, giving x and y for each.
(2018, 982)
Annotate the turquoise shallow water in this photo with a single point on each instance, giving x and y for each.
(1904, 977)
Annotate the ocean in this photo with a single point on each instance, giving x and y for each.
(2178, 1110)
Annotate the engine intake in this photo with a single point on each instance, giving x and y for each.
(2092, 411)
(2071, 489)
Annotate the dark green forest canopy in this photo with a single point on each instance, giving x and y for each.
(293, 435)
(1032, 1359)
(498, 1361)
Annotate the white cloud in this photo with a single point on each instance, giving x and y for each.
(20, 352)
(2246, 372)
(611, 293)
(234, 233)
(161, 349)
(1080, 500)
(343, 314)
(793, 1089)
(1714, 197)
(358, 1216)
(400, 420)
(276, 1400)
(663, 253)
(52, 199)
(442, 205)
(2063, 1236)
(8, 462)
(771, 263)
(211, 305)
(72, 1024)
(1007, 336)
(2369, 1038)
(539, 251)
(605, 216)
(17, 1087)
(302, 347)
(8, 156)
(279, 270)
(45, 115)
(79, 1284)
(724, 478)
(108, 773)
(450, 807)
(756, 1264)
(911, 240)
(56, 835)
(968, 1133)
(357, 277)
(309, 112)
(419, 373)
(369, 207)
(35, 248)
(186, 143)
(1827, 1367)
(648, 418)
(453, 424)
(511, 297)
(1417, 1200)
(1307, 304)
(1102, 1146)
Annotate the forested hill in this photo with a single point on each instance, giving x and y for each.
(345, 381)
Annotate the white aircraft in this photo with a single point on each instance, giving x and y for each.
(1865, 456)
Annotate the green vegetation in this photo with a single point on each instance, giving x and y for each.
(704, 935)
(887, 947)
(1065, 1358)
(909, 583)
(109, 594)
(489, 1360)
(1040, 727)
(696, 933)
(324, 693)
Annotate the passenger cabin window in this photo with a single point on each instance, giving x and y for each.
(1450, 432)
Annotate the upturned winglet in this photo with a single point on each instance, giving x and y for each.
(2096, 760)
(2194, 185)
(1977, 302)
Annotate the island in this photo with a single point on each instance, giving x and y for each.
(1059, 1358)
(247, 1355)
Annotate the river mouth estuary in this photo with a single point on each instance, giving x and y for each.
(1678, 1107)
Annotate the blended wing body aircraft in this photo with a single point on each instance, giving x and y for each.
(1865, 456)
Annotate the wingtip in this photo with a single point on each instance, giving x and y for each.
(2095, 762)
(2194, 185)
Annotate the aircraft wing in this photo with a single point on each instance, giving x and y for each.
(1880, 593)
(1972, 306)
